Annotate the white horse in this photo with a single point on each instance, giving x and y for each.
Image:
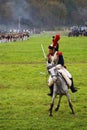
(60, 88)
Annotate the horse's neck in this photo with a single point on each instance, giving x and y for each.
(61, 80)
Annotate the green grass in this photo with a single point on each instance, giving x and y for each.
(24, 102)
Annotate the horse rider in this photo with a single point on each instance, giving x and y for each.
(56, 60)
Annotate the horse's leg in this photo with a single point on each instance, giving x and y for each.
(52, 103)
(58, 105)
(70, 103)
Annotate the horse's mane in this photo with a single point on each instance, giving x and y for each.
(61, 84)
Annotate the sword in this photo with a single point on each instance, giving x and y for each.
(43, 52)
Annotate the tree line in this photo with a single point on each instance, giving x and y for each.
(44, 13)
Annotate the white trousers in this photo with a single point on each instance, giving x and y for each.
(50, 81)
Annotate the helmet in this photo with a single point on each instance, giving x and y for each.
(51, 47)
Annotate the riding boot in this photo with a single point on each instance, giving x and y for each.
(73, 89)
(51, 91)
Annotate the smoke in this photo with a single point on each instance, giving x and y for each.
(21, 11)
(20, 8)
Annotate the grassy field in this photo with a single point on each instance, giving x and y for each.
(24, 102)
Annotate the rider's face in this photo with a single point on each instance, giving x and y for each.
(54, 50)
(50, 51)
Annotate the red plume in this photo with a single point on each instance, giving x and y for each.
(56, 39)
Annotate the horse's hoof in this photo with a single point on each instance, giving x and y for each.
(73, 113)
(51, 115)
(56, 109)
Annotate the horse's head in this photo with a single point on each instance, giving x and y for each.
(50, 65)
(53, 73)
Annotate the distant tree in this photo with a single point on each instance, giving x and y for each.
(44, 13)
(5, 11)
